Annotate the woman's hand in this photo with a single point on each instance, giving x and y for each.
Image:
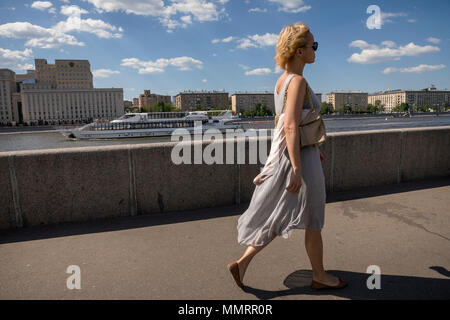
(322, 157)
(296, 181)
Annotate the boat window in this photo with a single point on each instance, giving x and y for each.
(126, 116)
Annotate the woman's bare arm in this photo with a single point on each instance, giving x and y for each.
(292, 119)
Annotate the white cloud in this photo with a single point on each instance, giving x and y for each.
(291, 6)
(385, 16)
(186, 19)
(37, 36)
(258, 41)
(14, 59)
(200, 10)
(74, 22)
(373, 54)
(390, 44)
(58, 34)
(72, 10)
(258, 72)
(98, 27)
(255, 41)
(41, 5)
(227, 39)
(418, 69)
(257, 10)
(158, 66)
(204, 80)
(434, 40)
(104, 73)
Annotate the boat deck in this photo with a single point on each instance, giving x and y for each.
(143, 125)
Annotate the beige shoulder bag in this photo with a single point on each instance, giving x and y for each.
(312, 128)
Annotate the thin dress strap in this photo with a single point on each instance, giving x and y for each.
(307, 93)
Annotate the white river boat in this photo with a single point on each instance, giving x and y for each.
(132, 125)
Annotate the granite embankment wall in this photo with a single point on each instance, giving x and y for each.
(75, 184)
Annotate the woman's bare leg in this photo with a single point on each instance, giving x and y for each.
(248, 255)
(314, 248)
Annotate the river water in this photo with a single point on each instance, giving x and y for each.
(49, 138)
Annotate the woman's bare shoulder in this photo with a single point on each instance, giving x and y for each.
(297, 83)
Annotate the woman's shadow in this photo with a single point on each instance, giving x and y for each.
(391, 287)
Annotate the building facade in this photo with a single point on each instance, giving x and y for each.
(353, 99)
(429, 96)
(57, 106)
(241, 102)
(64, 74)
(148, 99)
(57, 93)
(7, 89)
(186, 101)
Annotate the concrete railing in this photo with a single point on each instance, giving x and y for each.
(76, 184)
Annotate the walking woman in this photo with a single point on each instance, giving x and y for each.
(290, 190)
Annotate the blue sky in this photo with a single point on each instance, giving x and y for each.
(172, 46)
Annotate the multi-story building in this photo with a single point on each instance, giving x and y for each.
(188, 100)
(337, 99)
(127, 104)
(148, 99)
(69, 74)
(392, 98)
(56, 94)
(65, 105)
(28, 77)
(7, 88)
(247, 100)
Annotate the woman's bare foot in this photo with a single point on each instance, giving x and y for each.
(327, 279)
(242, 268)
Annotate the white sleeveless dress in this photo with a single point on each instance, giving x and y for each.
(274, 211)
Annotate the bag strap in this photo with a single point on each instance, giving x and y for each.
(307, 93)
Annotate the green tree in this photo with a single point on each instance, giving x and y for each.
(403, 107)
(326, 108)
(346, 108)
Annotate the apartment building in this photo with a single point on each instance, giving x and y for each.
(7, 88)
(246, 101)
(190, 99)
(337, 99)
(392, 98)
(148, 99)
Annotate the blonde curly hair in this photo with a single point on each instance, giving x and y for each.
(291, 38)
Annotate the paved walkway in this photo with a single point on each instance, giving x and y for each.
(403, 229)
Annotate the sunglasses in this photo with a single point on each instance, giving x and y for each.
(314, 46)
